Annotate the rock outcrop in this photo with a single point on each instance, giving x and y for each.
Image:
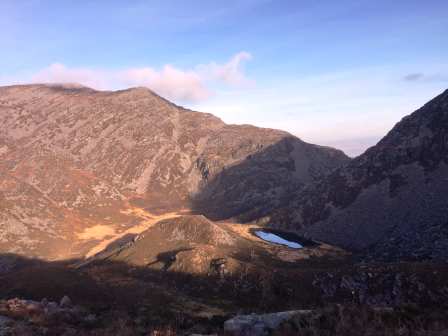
(391, 200)
(259, 325)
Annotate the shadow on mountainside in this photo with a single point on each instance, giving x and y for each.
(168, 258)
(262, 181)
(160, 297)
(142, 297)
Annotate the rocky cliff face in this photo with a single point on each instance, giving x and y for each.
(73, 158)
(390, 200)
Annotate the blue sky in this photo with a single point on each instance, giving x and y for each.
(339, 73)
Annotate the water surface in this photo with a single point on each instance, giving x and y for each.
(275, 239)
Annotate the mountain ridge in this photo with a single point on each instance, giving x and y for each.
(388, 198)
(97, 154)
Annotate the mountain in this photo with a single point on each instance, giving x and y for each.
(80, 167)
(391, 201)
(146, 199)
(192, 244)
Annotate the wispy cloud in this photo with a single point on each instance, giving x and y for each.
(350, 110)
(184, 85)
(413, 77)
(59, 73)
(419, 76)
(230, 73)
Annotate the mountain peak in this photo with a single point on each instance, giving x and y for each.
(67, 85)
(138, 89)
(142, 92)
(89, 155)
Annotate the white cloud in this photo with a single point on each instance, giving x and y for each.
(229, 72)
(350, 110)
(191, 85)
(59, 73)
(169, 82)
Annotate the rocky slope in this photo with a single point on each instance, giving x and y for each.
(192, 244)
(186, 243)
(391, 200)
(72, 158)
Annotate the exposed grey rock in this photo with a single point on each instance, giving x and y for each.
(65, 302)
(259, 325)
(90, 319)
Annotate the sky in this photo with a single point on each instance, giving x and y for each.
(338, 73)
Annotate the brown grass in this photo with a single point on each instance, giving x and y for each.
(355, 320)
(102, 231)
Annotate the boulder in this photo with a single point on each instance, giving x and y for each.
(66, 302)
(259, 325)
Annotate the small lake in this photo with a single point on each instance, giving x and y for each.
(276, 239)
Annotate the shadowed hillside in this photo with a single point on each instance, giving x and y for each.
(391, 200)
(271, 174)
(93, 161)
(111, 296)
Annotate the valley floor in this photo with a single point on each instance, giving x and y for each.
(157, 278)
(107, 235)
(135, 300)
